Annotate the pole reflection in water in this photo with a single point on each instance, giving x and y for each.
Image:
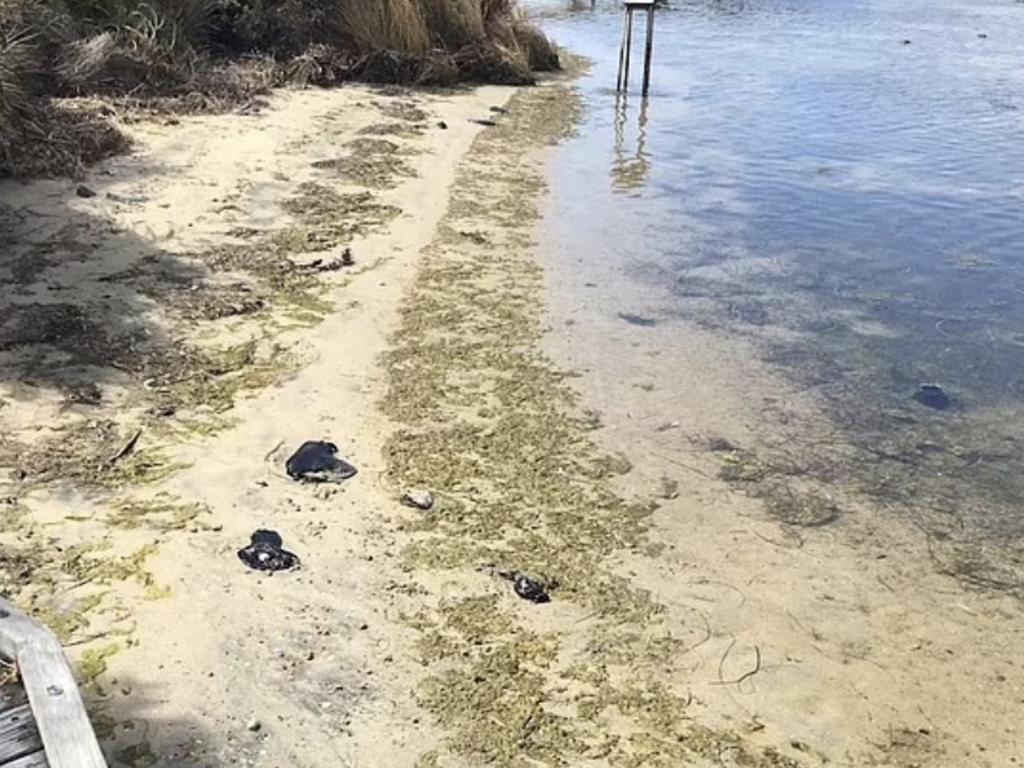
(631, 162)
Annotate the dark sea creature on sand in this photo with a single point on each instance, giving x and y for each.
(316, 461)
(528, 589)
(264, 553)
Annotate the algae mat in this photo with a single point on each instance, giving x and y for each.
(492, 427)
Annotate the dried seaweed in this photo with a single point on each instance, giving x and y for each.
(490, 425)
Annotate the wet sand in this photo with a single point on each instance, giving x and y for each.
(814, 620)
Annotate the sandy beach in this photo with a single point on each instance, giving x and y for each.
(211, 364)
(174, 325)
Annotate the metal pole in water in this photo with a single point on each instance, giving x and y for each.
(629, 46)
(648, 50)
(622, 53)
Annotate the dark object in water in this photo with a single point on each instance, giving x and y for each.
(499, 110)
(264, 553)
(720, 445)
(982, 35)
(906, 42)
(442, 125)
(643, 322)
(316, 461)
(933, 396)
(346, 258)
(528, 589)
(84, 191)
(486, 123)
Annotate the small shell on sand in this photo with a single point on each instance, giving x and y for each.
(418, 499)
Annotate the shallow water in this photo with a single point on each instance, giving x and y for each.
(848, 204)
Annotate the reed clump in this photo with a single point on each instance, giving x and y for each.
(66, 66)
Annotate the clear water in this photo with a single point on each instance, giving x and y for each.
(802, 176)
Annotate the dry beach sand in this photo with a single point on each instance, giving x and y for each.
(218, 359)
(169, 341)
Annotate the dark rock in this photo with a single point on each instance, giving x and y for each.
(485, 123)
(933, 396)
(643, 322)
(84, 191)
(499, 110)
(264, 553)
(316, 461)
(86, 393)
(720, 445)
(442, 125)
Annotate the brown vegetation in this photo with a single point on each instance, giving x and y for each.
(190, 55)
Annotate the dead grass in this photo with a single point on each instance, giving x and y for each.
(386, 25)
(371, 162)
(52, 138)
(196, 55)
(404, 130)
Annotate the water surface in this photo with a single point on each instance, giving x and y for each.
(840, 184)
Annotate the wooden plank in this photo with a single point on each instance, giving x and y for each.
(60, 713)
(67, 736)
(35, 760)
(18, 734)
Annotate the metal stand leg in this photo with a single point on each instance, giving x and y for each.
(629, 47)
(648, 51)
(622, 53)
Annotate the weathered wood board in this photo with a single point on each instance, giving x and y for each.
(42, 718)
